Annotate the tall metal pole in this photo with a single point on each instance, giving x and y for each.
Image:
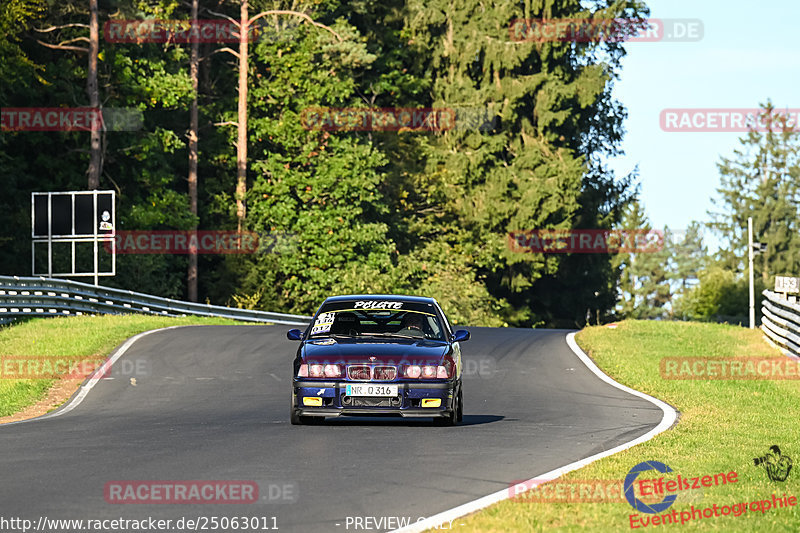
(750, 271)
(96, 223)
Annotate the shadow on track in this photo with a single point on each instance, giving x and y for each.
(469, 420)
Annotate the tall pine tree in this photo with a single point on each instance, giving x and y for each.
(761, 180)
(537, 166)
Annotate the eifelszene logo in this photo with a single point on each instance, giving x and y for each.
(776, 464)
(638, 504)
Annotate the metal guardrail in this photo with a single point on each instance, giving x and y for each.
(29, 296)
(781, 322)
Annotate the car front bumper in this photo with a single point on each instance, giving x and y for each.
(408, 402)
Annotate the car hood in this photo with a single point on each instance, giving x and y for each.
(389, 351)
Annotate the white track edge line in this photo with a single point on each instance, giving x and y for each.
(93, 379)
(670, 415)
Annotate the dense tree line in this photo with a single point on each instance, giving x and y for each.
(684, 281)
(341, 211)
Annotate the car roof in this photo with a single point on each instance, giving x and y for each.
(389, 297)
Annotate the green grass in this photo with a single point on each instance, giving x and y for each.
(723, 425)
(75, 338)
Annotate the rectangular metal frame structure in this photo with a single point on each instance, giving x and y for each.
(96, 238)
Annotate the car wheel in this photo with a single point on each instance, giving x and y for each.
(450, 418)
(460, 410)
(299, 420)
(296, 419)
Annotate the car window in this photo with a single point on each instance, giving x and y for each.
(413, 321)
(434, 324)
(448, 328)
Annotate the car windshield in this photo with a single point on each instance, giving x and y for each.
(419, 322)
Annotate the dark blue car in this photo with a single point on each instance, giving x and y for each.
(378, 355)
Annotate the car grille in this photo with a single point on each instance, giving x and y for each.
(384, 373)
(372, 402)
(365, 373)
(364, 401)
(359, 372)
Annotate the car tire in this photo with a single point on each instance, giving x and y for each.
(451, 418)
(460, 410)
(296, 419)
(300, 420)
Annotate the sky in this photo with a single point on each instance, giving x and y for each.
(748, 53)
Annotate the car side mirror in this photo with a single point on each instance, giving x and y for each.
(461, 335)
(294, 335)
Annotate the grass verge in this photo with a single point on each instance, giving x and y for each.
(723, 425)
(72, 338)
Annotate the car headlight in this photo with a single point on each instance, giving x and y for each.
(316, 370)
(412, 371)
(332, 371)
(426, 372)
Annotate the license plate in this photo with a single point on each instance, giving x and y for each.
(372, 390)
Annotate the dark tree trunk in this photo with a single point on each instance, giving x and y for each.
(241, 143)
(194, 66)
(96, 159)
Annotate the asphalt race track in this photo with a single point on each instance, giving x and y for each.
(212, 403)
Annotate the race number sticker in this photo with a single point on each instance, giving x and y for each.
(376, 304)
(323, 323)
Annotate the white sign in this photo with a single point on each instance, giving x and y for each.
(787, 284)
(323, 323)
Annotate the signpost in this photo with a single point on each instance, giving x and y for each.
(786, 285)
(73, 218)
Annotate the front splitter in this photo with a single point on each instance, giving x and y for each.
(405, 413)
